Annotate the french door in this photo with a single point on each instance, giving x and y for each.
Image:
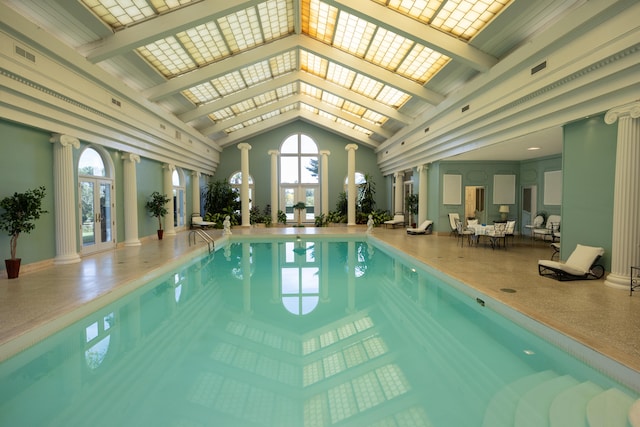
(290, 195)
(96, 214)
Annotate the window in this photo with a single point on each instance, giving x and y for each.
(299, 176)
(179, 198)
(236, 182)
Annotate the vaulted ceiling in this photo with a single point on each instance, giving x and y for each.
(365, 69)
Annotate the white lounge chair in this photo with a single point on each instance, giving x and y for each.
(453, 218)
(425, 228)
(398, 219)
(197, 221)
(581, 265)
(551, 230)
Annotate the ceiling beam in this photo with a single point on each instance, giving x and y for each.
(419, 32)
(162, 26)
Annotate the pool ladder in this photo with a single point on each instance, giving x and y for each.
(204, 236)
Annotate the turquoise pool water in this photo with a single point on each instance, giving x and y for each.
(302, 332)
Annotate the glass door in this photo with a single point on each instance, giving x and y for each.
(292, 195)
(96, 215)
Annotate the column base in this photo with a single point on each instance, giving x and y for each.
(132, 243)
(617, 281)
(66, 259)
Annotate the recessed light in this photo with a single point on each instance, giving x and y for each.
(533, 148)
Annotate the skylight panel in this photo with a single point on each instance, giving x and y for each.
(243, 107)
(201, 94)
(318, 19)
(353, 34)
(465, 18)
(233, 128)
(288, 108)
(345, 123)
(388, 49)
(265, 98)
(241, 30)
(313, 64)
(287, 90)
(367, 132)
(308, 107)
(283, 63)
(276, 17)
(374, 117)
(392, 97)
(256, 73)
(252, 121)
(422, 10)
(422, 63)
(204, 43)
(220, 115)
(120, 13)
(309, 90)
(353, 108)
(327, 116)
(340, 75)
(168, 57)
(366, 86)
(166, 5)
(332, 99)
(229, 83)
(270, 115)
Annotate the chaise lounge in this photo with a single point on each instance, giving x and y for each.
(581, 265)
(425, 228)
(198, 222)
(398, 219)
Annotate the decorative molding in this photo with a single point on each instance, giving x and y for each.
(632, 110)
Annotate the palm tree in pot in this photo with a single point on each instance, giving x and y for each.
(157, 207)
(20, 212)
(300, 206)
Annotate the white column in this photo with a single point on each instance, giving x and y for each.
(130, 199)
(274, 185)
(195, 192)
(324, 176)
(397, 204)
(169, 228)
(351, 186)
(625, 239)
(64, 198)
(422, 193)
(244, 186)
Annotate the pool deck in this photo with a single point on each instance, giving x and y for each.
(607, 320)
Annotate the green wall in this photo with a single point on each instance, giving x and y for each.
(26, 162)
(260, 162)
(588, 185)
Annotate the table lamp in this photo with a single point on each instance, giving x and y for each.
(504, 211)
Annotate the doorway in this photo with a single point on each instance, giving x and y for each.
(474, 203)
(529, 205)
(292, 195)
(96, 214)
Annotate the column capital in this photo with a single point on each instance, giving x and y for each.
(196, 174)
(65, 140)
(632, 110)
(422, 168)
(133, 158)
(324, 152)
(351, 147)
(168, 166)
(270, 152)
(244, 146)
(398, 174)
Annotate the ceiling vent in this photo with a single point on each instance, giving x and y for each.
(25, 54)
(541, 66)
(465, 108)
(116, 102)
(426, 130)
(179, 135)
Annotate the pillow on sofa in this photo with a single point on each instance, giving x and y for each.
(537, 221)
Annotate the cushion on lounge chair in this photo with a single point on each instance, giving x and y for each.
(398, 219)
(583, 257)
(581, 264)
(197, 221)
(425, 228)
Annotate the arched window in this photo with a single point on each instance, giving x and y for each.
(97, 201)
(236, 182)
(299, 176)
(179, 198)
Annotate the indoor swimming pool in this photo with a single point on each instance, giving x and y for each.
(302, 332)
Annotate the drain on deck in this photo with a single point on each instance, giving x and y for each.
(509, 290)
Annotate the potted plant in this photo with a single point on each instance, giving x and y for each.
(300, 206)
(20, 212)
(412, 206)
(157, 207)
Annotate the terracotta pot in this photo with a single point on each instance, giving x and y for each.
(13, 267)
(160, 234)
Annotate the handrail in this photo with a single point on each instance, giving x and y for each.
(204, 236)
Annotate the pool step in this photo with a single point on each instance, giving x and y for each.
(609, 409)
(547, 399)
(533, 408)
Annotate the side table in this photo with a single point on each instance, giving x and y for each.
(635, 279)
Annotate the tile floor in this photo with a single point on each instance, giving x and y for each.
(605, 319)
